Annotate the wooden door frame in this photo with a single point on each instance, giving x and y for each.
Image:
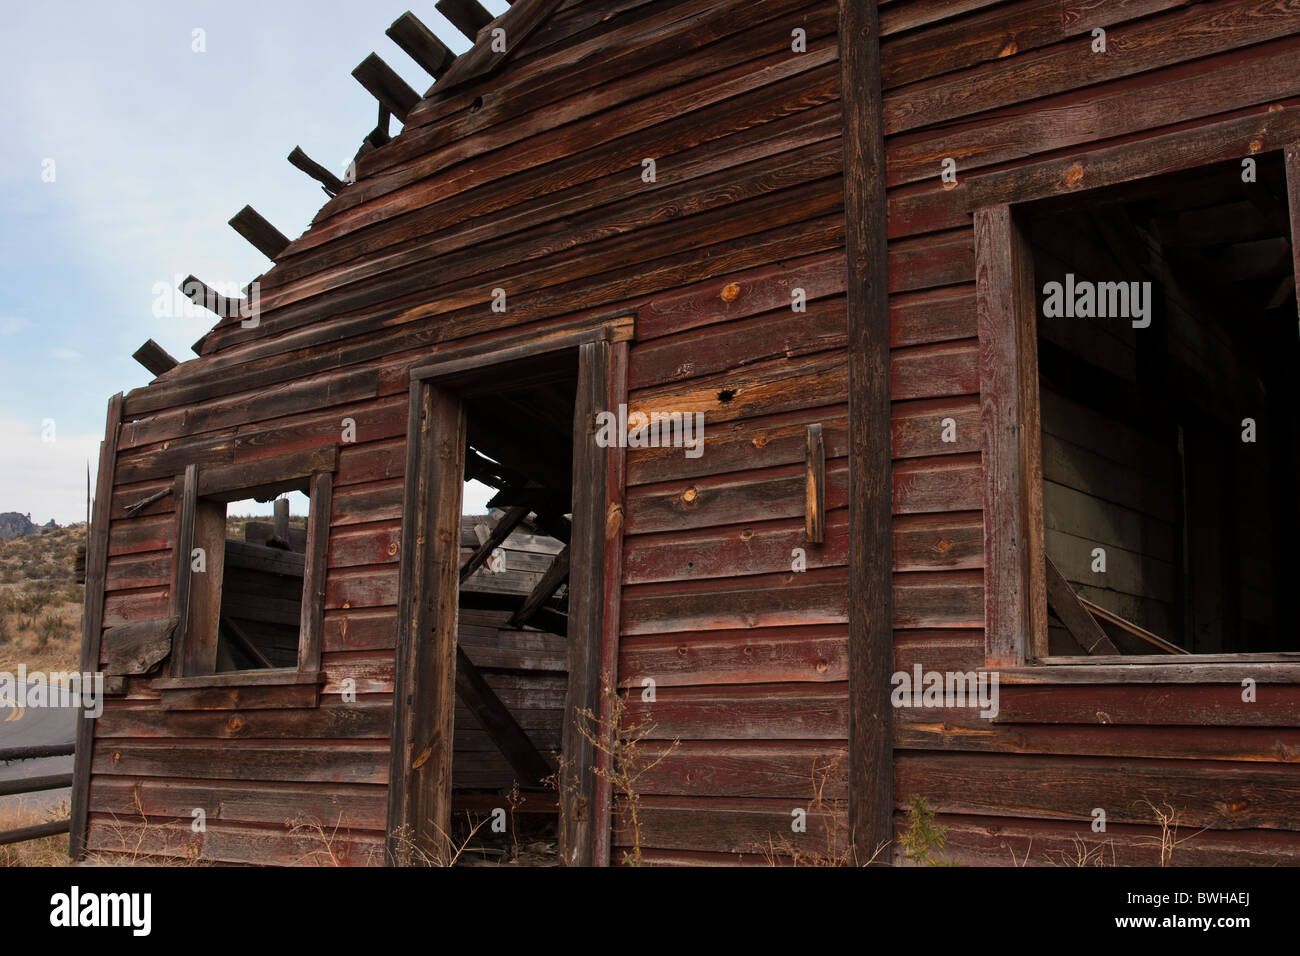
(419, 794)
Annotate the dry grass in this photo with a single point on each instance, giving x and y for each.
(47, 851)
(1168, 819)
(1081, 853)
(138, 841)
(629, 758)
(40, 602)
(834, 848)
(446, 851)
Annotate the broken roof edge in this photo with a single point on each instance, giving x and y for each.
(481, 61)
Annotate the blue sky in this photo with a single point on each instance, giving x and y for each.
(154, 147)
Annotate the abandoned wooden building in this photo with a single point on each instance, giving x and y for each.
(984, 315)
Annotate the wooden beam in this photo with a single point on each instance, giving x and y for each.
(199, 645)
(261, 234)
(611, 463)
(554, 526)
(1155, 640)
(419, 790)
(871, 623)
(315, 562)
(205, 297)
(244, 642)
(421, 45)
(505, 524)
(258, 557)
(281, 519)
(1292, 154)
(180, 596)
(1083, 627)
(467, 16)
(155, 358)
(1154, 156)
(379, 135)
(555, 575)
(500, 724)
(331, 183)
(266, 477)
(386, 86)
(814, 484)
(92, 622)
(581, 808)
(1015, 614)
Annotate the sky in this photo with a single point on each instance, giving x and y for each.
(126, 149)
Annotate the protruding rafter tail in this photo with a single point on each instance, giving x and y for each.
(205, 297)
(265, 237)
(420, 44)
(155, 358)
(331, 183)
(386, 86)
(467, 16)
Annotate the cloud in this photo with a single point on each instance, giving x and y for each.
(65, 354)
(13, 324)
(47, 479)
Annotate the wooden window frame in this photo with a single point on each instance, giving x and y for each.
(313, 469)
(419, 796)
(1015, 588)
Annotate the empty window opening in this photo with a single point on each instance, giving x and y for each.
(1167, 357)
(247, 572)
(262, 583)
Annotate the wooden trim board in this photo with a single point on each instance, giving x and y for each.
(92, 623)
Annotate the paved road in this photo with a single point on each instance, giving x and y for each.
(36, 727)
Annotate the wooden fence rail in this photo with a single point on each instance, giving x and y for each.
(35, 785)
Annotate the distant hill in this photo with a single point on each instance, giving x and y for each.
(14, 525)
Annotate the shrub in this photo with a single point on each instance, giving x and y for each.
(922, 839)
(50, 628)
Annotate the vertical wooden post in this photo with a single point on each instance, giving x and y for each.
(201, 624)
(419, 789)
(613, 467)
(312, 623)
(1292, 154)
(92, 623)
(281, 528)
(871, 644)
(1015, 574)
(578, 793)
(187, 504)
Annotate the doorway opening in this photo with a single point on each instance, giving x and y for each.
(508, 607)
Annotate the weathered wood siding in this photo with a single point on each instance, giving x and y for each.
(997, 85)
(531, 181)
